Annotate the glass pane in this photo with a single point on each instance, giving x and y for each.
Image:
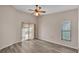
(25, 31)
(31, 31)
(66, 35)
(66, 25)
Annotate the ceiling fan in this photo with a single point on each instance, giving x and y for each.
(37, 10)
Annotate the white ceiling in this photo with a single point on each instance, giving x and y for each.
(48, 8)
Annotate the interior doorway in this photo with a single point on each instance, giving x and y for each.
(27, 31)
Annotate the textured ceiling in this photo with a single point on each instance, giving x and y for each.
(48, 8)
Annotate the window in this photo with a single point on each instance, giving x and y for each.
(66, 30)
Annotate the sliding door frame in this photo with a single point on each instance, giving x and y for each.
(28, 26)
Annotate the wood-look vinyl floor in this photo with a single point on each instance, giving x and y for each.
(37, 46)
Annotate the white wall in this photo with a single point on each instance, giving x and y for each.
(78, 29)
(50, 28)
(10, 25)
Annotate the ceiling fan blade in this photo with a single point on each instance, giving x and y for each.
(42, 11)
(32, 13)
(40, 7)
(30, 10)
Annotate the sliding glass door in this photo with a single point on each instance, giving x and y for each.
(27, 31)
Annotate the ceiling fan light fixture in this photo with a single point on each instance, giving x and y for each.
(36, 14)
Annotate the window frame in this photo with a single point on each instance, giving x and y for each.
(62, 35)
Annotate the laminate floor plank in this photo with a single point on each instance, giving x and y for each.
(37, 46)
